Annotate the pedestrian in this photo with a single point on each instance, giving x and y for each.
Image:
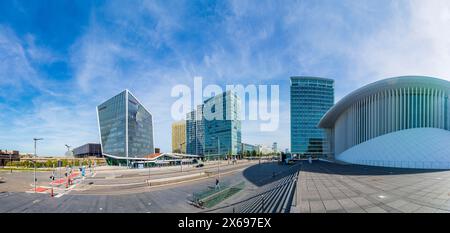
(310, 160)
(217, 184)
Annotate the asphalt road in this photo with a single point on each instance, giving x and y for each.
(168, 198)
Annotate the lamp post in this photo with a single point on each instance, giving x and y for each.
(35, 155)
(10, 162)
(149, 166)
(218, 157)
(73, 159)
(181, 160)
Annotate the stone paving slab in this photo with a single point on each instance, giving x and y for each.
(333, 188)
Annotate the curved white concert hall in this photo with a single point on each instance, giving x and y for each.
(396, 122)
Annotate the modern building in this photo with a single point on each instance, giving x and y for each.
(200, 131)
(125, 127)
(395, 122)
(222, 125)
(87, 150)
(311, 97)
(8, 156)
(195, 133)
(179, 137)
(248, 148)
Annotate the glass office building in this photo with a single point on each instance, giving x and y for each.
(125, 127)
(191, 129)
(222, 125)
(311, 98)
(200, 131)
(195, 133)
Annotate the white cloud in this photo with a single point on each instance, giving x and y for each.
(354, 42)
(415, 42)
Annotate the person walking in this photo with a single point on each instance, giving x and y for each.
(217, 184)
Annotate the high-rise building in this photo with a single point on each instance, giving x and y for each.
(200, 131)
(179, 137)
(222, 124)
(311, 98)
(125, 127)
(216, 121)
(195, 134)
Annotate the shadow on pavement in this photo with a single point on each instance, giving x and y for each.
(262, 174)
(353, 169)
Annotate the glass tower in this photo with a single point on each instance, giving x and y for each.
(191, 129)
(126, 127)
(311, 97)
(222, 125)
(195, 133)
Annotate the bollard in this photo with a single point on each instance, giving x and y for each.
(51, 192)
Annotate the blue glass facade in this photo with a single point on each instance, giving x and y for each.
(216, 120)
(311, 98)
(195, 134)
(126, 127)
(222, 125)
(191, 129)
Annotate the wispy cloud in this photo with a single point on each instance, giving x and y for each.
(151, 46)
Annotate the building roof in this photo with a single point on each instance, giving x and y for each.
(311, 78)
(333, 113)
(153, 156)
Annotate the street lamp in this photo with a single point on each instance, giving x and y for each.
(35, 155)
(218, 157)
(10, 161)
(73, 159)
(181, 160)
(148, 164)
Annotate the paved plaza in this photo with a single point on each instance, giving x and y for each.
(120, 198)
(320, 187)
(328, 187)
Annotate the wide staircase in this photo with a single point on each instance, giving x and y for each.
(276, 197)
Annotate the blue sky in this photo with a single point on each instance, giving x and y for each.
(60, 59)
